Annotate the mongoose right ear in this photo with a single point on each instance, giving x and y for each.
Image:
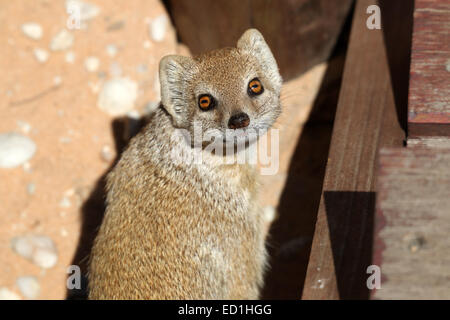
(252, 42)
(175, 73)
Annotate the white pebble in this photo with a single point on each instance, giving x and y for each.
(86, 10)
(65, 140)
(27, 167)
(117, 96)
(31, 188)
(133, 115)
(146, 44)
(111, 50)
(32, 30)
(142, 68)
(57, 80)
(24, 126)
(269, 214)
(63, 40)
(45, 258)
(107, 154)
(95, 86)
(38, 249)
(91, 64)
(22, 247)
(41, 55)
(64, 232)
(15, 149)
(158, 27)
(69, 192)
(65, 202)
(6, 294)
(29, 287)
(70, 57)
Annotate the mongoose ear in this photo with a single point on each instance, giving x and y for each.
(175, 72)
(252, 42)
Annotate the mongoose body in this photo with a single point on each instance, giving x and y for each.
(183, 230)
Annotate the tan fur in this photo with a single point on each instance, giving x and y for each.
(189, 231)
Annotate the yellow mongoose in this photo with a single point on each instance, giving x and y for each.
(184, 230)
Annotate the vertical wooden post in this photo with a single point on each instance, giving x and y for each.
(366, 119)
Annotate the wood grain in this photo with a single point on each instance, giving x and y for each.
(429, 93)
(413, 223)
(301, 33)
(366, 120)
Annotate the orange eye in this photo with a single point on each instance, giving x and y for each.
(206, 102)
(255, 87)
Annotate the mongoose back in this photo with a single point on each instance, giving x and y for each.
(185, 229)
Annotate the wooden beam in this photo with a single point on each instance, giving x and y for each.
(366, 119)
(429, 93)
(413, 222)
(301, 33)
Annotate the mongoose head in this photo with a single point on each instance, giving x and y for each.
(225, 89)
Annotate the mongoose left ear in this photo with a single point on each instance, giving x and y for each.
(175, 72)
(253, 43)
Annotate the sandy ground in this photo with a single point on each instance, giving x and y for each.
(54, 103)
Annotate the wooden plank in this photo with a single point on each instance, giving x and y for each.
(429, 94)
(429, 142)
(301, 33)
(366, 120)
(413, 223)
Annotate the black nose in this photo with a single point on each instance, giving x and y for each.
(237, 121)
